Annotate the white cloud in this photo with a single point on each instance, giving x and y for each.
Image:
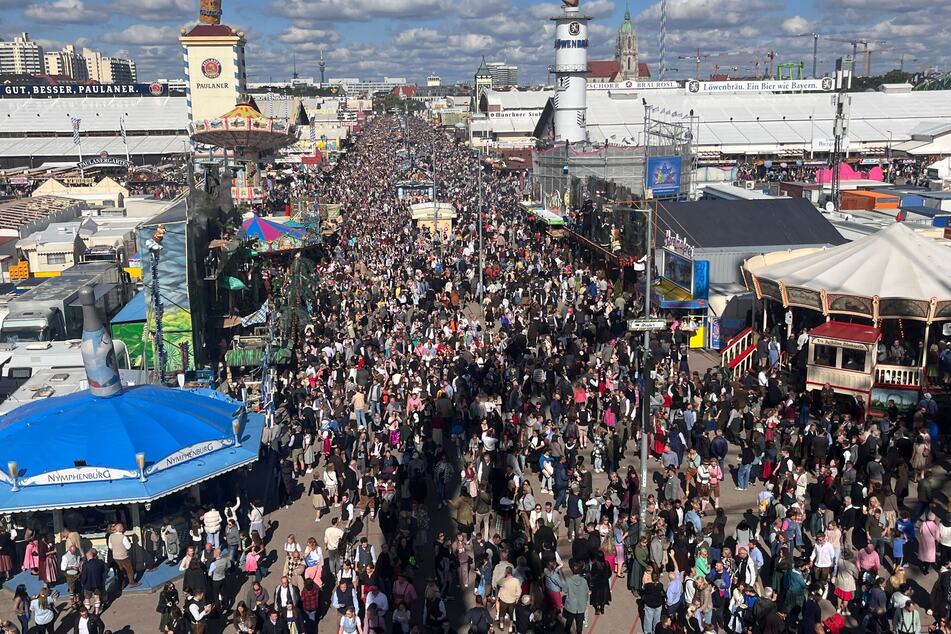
(707, 13)
(316, 37)
(144, 35)
(362, 10)
(158, 10)
(796, 25)
(66, 11)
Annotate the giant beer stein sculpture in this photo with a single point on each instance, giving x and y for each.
(99, 357)
(210, 12)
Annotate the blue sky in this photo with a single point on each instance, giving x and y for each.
(411, 38)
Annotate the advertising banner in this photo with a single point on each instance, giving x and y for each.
(21, 91)
(714, 333)
(770, 85)
(678, 270)
(632, 85)
(701, 279)
(663, 175)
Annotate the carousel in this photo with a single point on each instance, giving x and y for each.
(247, 135)
(886, 302)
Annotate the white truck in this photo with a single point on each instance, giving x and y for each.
(51, 310)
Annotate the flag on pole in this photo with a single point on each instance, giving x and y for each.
(122, 129)
(313, 133)
(76, 123)
(257, 317)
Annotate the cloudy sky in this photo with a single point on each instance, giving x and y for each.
(411, 38)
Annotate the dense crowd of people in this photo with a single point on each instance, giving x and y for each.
(487, 426)
(411, 397)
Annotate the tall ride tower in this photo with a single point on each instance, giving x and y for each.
(214, 64)
(571, 69)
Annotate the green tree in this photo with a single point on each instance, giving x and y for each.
(297, 292)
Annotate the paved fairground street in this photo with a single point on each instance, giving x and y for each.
(391, 317)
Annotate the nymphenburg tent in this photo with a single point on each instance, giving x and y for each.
(81, 450)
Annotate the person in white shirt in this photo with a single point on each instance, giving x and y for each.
(822, 560)
(88, 623)
(377, 598)
(71, 563)
(802, 340)
(198, 611)
(187, 559)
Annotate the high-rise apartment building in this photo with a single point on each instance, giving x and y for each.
(67, 63)
(123, 70)
(109, 70)
(22, 56)
(503, 75)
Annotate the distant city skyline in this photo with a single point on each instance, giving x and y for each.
(371, 39)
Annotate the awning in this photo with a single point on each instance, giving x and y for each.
(550, 218)
(674, 297)
(133, 312)
(237, 357)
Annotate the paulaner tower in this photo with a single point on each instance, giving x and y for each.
(571, 69)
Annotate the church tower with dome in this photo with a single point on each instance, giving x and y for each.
(626, 50)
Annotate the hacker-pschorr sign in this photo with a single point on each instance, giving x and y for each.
(104, 161)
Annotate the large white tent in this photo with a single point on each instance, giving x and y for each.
(893, 273)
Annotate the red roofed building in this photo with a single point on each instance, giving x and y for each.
(608, 70)
(210, 30)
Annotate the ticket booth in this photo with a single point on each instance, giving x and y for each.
(843, 356)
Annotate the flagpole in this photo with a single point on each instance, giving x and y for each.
(125, 141)
(78, 141)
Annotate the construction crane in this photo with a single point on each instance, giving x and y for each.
(729, 69)
(696, 59)
(757, 62)
(901, 62)
(815, 50)
(865, 49)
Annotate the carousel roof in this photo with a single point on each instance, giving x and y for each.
(271, 236)
(895, 266)
(258, 228)
(80, 450)
(243, 128)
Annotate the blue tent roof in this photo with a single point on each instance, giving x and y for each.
(79, 450)
(132, 312)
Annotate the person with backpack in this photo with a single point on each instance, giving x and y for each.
(478, 617)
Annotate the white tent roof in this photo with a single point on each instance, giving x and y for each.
(895, 262)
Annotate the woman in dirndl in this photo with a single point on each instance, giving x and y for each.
(7, 551)
(48, 562)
